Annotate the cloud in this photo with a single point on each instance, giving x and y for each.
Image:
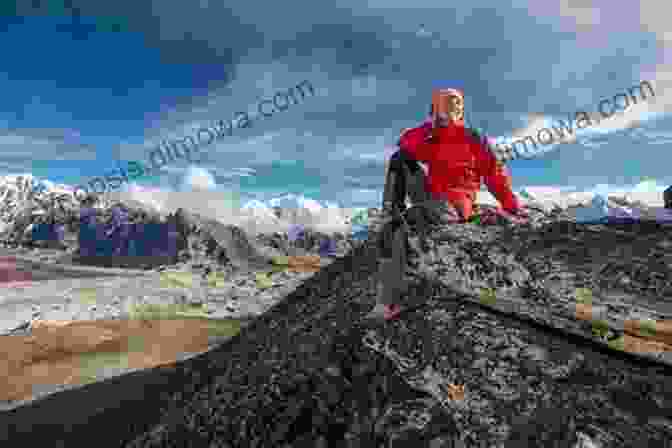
(599, 18)
(536, 123)
(198, 178)
(608, 55)
(523, 65)
(172, 169)
(43, 144)
(592, 123)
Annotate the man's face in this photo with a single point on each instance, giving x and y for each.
(447, 108)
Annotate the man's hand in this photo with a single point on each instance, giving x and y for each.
(517, 216)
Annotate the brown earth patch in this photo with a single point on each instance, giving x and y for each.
(75, 353)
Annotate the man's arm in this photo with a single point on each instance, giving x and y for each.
(414, 143)
(495, 176)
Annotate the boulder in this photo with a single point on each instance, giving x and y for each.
(296, 232)
(328, 247)
(231, 239)
(47, 234)
(178, 219)
(597, 211)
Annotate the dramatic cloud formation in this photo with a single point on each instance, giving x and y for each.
(133, 74)
(197, 179)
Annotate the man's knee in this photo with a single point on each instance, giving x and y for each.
(400, 160)
(395, 182)
(396, 161)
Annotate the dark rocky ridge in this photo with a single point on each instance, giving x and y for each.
(535, 272)
(311, 373)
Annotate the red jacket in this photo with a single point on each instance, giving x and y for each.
(457, 163)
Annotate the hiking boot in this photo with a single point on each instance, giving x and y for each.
(390, 287)
(382, 312)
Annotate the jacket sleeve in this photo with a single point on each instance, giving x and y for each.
(496, 177)
(415, 143)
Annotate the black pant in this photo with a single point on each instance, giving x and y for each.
(405, 178)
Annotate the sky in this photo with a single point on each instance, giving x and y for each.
(90, 84)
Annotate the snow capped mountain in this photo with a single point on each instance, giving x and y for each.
(278, 214)
(296, 201)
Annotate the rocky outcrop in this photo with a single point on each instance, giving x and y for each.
(227, 242)
(24, 201)
(452, 371)
(313, 373)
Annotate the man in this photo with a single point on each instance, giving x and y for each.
(457, 160)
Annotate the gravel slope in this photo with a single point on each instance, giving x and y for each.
(311, 372)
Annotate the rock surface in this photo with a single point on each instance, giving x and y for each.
(311, 372)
